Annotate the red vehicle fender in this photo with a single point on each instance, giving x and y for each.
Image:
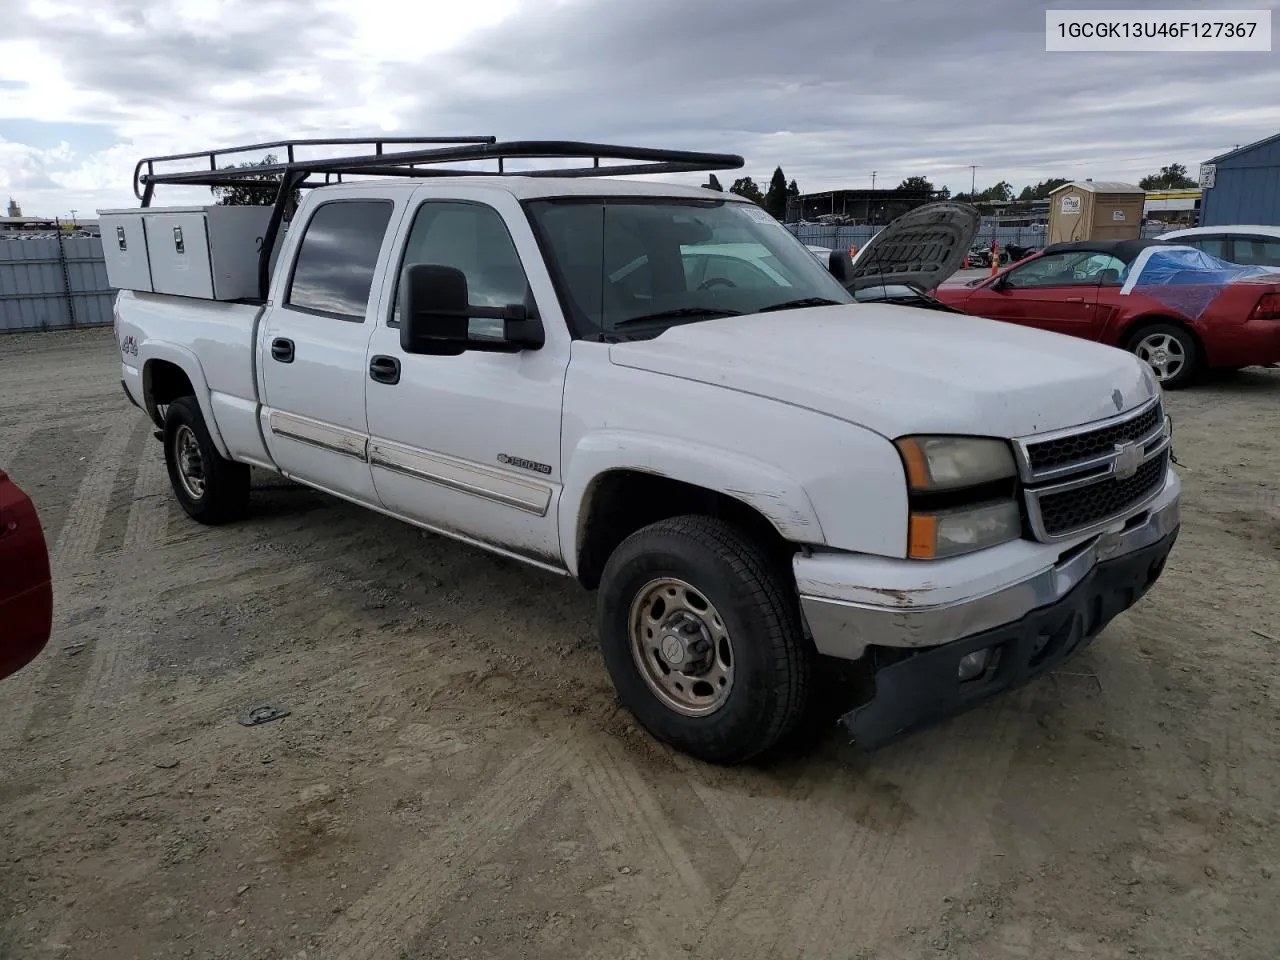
(26, 582)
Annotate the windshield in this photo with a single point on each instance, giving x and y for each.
(635, 268)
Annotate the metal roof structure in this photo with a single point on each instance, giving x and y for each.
(1099, 186)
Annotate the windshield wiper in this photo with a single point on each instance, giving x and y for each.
(802, 302)
(677, 314)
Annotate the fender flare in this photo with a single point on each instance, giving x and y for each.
(189, 363)
(770, 491)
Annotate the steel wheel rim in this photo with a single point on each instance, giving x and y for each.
(190, 461)
(1164, 354)
(681, 646)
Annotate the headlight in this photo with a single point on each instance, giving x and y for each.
(948, 533)
(935, 464)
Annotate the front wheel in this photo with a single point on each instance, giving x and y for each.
(211, 489)
(1170, 351)
(703, 639)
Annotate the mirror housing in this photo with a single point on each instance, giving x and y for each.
(436, 311)
(841, 266)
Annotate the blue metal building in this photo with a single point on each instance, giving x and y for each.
(1242, 186)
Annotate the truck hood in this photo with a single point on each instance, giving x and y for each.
(899, 370)
(923, 247)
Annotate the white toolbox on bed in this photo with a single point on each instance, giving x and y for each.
(205, 252)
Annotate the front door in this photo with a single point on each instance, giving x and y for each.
(469, 445)
(313, 347)
(1057, 292)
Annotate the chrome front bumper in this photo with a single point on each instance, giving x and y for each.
(926, 603)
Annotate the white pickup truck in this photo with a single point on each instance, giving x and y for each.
(657, 390)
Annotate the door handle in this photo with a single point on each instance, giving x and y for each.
(1075, 299)
(385, 369)
(282, 350)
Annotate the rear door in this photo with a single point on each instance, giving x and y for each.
(314, 343)
(1057, 292)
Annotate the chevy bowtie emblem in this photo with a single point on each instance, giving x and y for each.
(1128, 460)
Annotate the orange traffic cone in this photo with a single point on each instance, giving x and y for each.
(995, 257)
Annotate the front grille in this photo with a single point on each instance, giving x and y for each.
(1080, 447)
(1069, 510)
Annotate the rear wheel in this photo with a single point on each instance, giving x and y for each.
(1170, 351)
(211, 489)
(702, 639)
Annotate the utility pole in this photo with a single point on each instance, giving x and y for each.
(973, 180)
(873, 179)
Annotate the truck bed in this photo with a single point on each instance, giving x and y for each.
(221, 337)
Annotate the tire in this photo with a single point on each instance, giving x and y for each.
(221, 493)
(757, 614)
(1148, 341)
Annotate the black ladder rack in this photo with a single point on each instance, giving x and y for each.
(425, 162)
(233, 175)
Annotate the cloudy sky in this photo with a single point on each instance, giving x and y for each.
(830, 89)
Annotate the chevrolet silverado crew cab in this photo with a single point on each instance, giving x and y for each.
(657, 390)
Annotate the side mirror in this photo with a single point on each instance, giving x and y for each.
(436, 312)
(1001, 283)
(841, 266)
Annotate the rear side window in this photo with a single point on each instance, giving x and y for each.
(333, 274)
(1257, 251)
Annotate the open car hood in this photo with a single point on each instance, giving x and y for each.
(922, 247)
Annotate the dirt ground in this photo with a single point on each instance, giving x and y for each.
(456, 780)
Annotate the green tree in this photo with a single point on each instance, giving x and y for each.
(1172, 177)
(1042, 189)
(917, 185)
(1001, 191)
(255, 190)
(775, 199)
(746, 187)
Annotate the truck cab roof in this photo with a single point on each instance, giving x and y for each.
(541, 187)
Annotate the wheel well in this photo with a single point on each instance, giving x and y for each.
(1136, 325)
(623, 501)
(162, 383)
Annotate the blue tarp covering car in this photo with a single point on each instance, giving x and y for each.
(1185, 278)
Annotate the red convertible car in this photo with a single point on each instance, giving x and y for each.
(1179, 309)
(26, 588)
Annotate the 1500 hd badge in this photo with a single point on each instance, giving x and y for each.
(130, 346)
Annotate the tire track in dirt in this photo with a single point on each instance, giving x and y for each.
(75, 543)
(870, 848)
(148, 521)
(12, 439)
(631, 829)
(78, 538)
(404, 904)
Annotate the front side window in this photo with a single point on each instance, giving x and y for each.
(636, 267)
(337, 256)
(1077, 268)
(473, 238)
(1214, 246)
